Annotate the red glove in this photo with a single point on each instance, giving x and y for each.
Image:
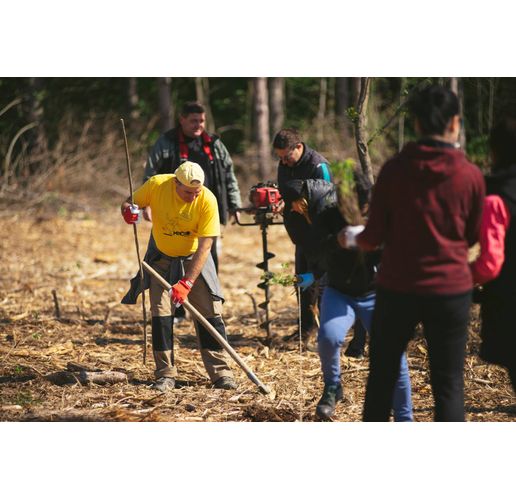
(180, 291)
(131, 214)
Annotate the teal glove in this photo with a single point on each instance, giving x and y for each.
(305, 280)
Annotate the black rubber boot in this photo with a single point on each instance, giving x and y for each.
(326, 405)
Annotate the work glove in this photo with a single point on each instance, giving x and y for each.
(179, 292)
(351, 233)
(131, 214)
(305, 280)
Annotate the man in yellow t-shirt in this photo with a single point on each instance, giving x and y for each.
(184, 226)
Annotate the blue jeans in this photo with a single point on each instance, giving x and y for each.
(338, 313)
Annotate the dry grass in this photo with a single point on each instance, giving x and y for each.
(87, 257)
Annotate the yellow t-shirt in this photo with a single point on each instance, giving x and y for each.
(176, 224)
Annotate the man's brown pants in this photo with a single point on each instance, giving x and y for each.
(215, 359)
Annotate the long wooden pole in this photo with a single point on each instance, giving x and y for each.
(137, 245)
(213, 332)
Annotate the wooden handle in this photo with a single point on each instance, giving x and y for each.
(213, 332)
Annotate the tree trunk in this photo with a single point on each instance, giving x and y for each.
(165, 105)
(330, 102)
(480, 108)
(401, 118)
(361, 128)
(132, 97)
(356, 83)
(277, 103)
(37, 137)
(202, 91)
(341, 105)
(321, 112)
(490, 116)
(261, 111)
(456, 86)
(249, 124)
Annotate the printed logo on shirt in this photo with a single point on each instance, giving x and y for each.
(172, 229)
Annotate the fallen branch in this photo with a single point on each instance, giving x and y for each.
(482, 381)
(76, 367)
(86, 378)
(11, 408)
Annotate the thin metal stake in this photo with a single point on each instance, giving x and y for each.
(137, 245)
(300, 355)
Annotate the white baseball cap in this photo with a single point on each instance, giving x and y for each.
(190, 174)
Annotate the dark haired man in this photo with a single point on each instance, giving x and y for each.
(425, 210)
(190, 141)
(186, 222)
(298, 161)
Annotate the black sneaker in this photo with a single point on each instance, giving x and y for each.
(326, 405)
(226, 383)
(354, 352)
(164, 384)
(305, 335)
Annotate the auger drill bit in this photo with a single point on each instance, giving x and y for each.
(265, 199)
(264, 285)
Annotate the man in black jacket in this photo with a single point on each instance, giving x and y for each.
(299, 161)
(190, 141)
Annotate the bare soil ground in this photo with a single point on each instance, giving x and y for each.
(88, 258)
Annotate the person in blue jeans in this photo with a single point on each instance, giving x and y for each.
(338, 313)
(349, 293)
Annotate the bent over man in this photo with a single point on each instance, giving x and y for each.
(185, 224)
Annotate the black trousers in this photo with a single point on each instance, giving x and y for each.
(309, 297)
(512, 375)
(445, 321)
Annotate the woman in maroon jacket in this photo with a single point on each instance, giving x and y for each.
(425, 211)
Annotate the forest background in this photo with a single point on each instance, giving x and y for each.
(61, 137)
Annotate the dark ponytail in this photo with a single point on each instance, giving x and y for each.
(434, 107)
